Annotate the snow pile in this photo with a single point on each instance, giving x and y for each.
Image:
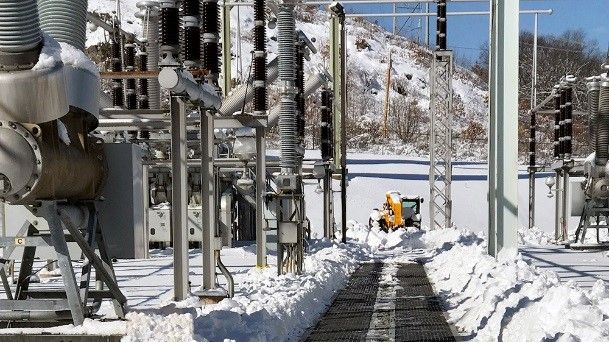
(266, 307)
(50, 55)
(533, 236)
(507, 299)
(174, 327)
(76, 58)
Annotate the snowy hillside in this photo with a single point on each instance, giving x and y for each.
(368, 52)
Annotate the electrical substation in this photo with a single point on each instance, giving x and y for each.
(163, 152)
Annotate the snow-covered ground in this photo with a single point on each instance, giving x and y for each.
(517, 297)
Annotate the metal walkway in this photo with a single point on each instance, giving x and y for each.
(385, 302)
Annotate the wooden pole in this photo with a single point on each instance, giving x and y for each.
(387, 88)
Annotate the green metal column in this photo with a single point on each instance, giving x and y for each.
(503, 132)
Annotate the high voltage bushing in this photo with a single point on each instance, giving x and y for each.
(117, 66)
(210, 37)
(326, 129)
(300, 97)
(170, 33)
(593, 87)
(286, 36)
(568, 138)
(20, 34)
(602, 136)
(149, 14)
(557, 125)
(65, 20)
(441, 26)
(192, 32)
(259, 62)
(130, 89)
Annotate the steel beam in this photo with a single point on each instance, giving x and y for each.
(179, 203)
(503, 132)
(261, 257)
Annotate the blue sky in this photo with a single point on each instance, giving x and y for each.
(467, 34)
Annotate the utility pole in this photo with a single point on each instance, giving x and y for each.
(533, 128)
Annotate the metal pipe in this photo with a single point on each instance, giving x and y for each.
(243, 94)
(178, 82)
(558, 206)
(208, 196)
(229, 278)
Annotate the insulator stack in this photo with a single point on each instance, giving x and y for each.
(602, 136)
(300, 98)
(192, 33)
(557, 146)
(130, 91)
(259, 62)
(118, 99)
(593, 93)
(288, 127)
(568, 137)
(441, 26)
(561, 140)
(143, 101)
(532, 139)
(170, 33)
(210, 37)
(150, 15)
(327, 141)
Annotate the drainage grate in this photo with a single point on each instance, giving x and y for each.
(418, 314)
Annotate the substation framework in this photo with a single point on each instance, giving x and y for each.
(204, 158)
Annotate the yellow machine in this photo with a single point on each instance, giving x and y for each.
(398, 211)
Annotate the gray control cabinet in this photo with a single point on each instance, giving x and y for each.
(122, 210)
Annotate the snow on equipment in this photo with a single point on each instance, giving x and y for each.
(398, 211)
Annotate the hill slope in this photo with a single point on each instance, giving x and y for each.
(368, 46)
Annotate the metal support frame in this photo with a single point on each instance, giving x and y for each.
(290, 224)
(440, 140)
(329, 223)
(338, 61)
(211, 245)
(261, 257)
(503, 130)
(75, 300)
(179, 204)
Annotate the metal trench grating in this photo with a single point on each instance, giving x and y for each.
(418, 312)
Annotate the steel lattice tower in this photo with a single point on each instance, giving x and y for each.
(440, 135)
(440, 140)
